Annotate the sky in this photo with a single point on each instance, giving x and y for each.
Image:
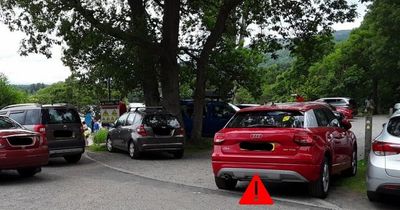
(36, 68)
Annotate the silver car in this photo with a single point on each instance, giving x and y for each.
(383, 176)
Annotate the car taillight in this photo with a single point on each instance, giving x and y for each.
(141, 130)
(303, 139)
(42, 130)
(219, 138)
(385, 149)
(3, 143)
(179, 132)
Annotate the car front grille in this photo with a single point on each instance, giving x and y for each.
(20, 141)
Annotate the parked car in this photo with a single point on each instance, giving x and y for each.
(295, 142)
(21, 149)
(59, 124)
(215, 116)
(396, 107)
(383, 174)
(347, 106)
(147, 129)
(241, 106)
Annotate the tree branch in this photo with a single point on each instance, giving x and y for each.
(107, 27)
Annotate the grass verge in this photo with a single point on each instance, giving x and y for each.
(97, 148)
(206, 144)
(356, 183)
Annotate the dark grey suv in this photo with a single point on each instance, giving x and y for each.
(59, 124)
(147, 129)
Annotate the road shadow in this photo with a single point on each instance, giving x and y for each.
(11, 177)
(60, 162)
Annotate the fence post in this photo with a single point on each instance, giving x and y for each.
(368, 136)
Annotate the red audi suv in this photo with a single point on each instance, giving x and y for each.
(21, 149)
(296, 142)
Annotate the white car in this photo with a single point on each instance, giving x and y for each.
(383, 175)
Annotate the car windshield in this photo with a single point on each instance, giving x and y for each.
(394, 126)
(267, 119)
(6, 123)
(161, 120)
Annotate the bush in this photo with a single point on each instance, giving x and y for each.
(100, 136)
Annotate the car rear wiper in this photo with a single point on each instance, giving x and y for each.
(262, 126)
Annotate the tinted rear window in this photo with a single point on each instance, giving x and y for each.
(6, 123)
(394, 126)
(60, 116)
(161, 120)
(32, 117)
(265, 119)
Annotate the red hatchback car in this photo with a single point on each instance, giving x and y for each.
(297, 142)
(21, 149)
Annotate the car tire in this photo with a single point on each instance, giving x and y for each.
(178, 154)
(73, 158)
(373, 196)
(29, 172)
(352, 171)
(133, 150)
(320, 187)
(225, 184)
(109, 145)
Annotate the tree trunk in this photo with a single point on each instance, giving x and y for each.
(375, 95)
(146, 59)
(169, 64)
(201, 71)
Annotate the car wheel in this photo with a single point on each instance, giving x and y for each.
(133, 150)
(178, 154)
(352, 171)
(373, 196)
(29, 172)
(109, 145)
(225, 184)
(320, 187)
(73, 158)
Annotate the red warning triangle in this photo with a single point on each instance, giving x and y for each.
(256, 193)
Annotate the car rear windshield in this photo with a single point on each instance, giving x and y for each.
(60, 116)
(161, 120)
(267, 119)
(6, 123)
(394, 126)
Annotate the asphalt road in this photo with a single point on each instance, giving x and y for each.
(114, 181)
(89, 185)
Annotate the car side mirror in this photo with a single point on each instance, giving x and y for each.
(346, 124)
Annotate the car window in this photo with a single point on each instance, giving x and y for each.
(222, 110)
(161, 120)
(394, 126)
(60, 116)
(332, 119)
(6, 123)
(129, 120)
(138, 119)
(18, 116)
(322, 119)
(310, 121)
(265, 119)
(121, 120)
(32, 117)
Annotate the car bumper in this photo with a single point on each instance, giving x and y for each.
(267, 171)
(377, 178)
(160, 144)
(66, 151)
(24, 158)
(60, 148)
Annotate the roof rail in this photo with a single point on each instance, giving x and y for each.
(149, 108)
(21, 105)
